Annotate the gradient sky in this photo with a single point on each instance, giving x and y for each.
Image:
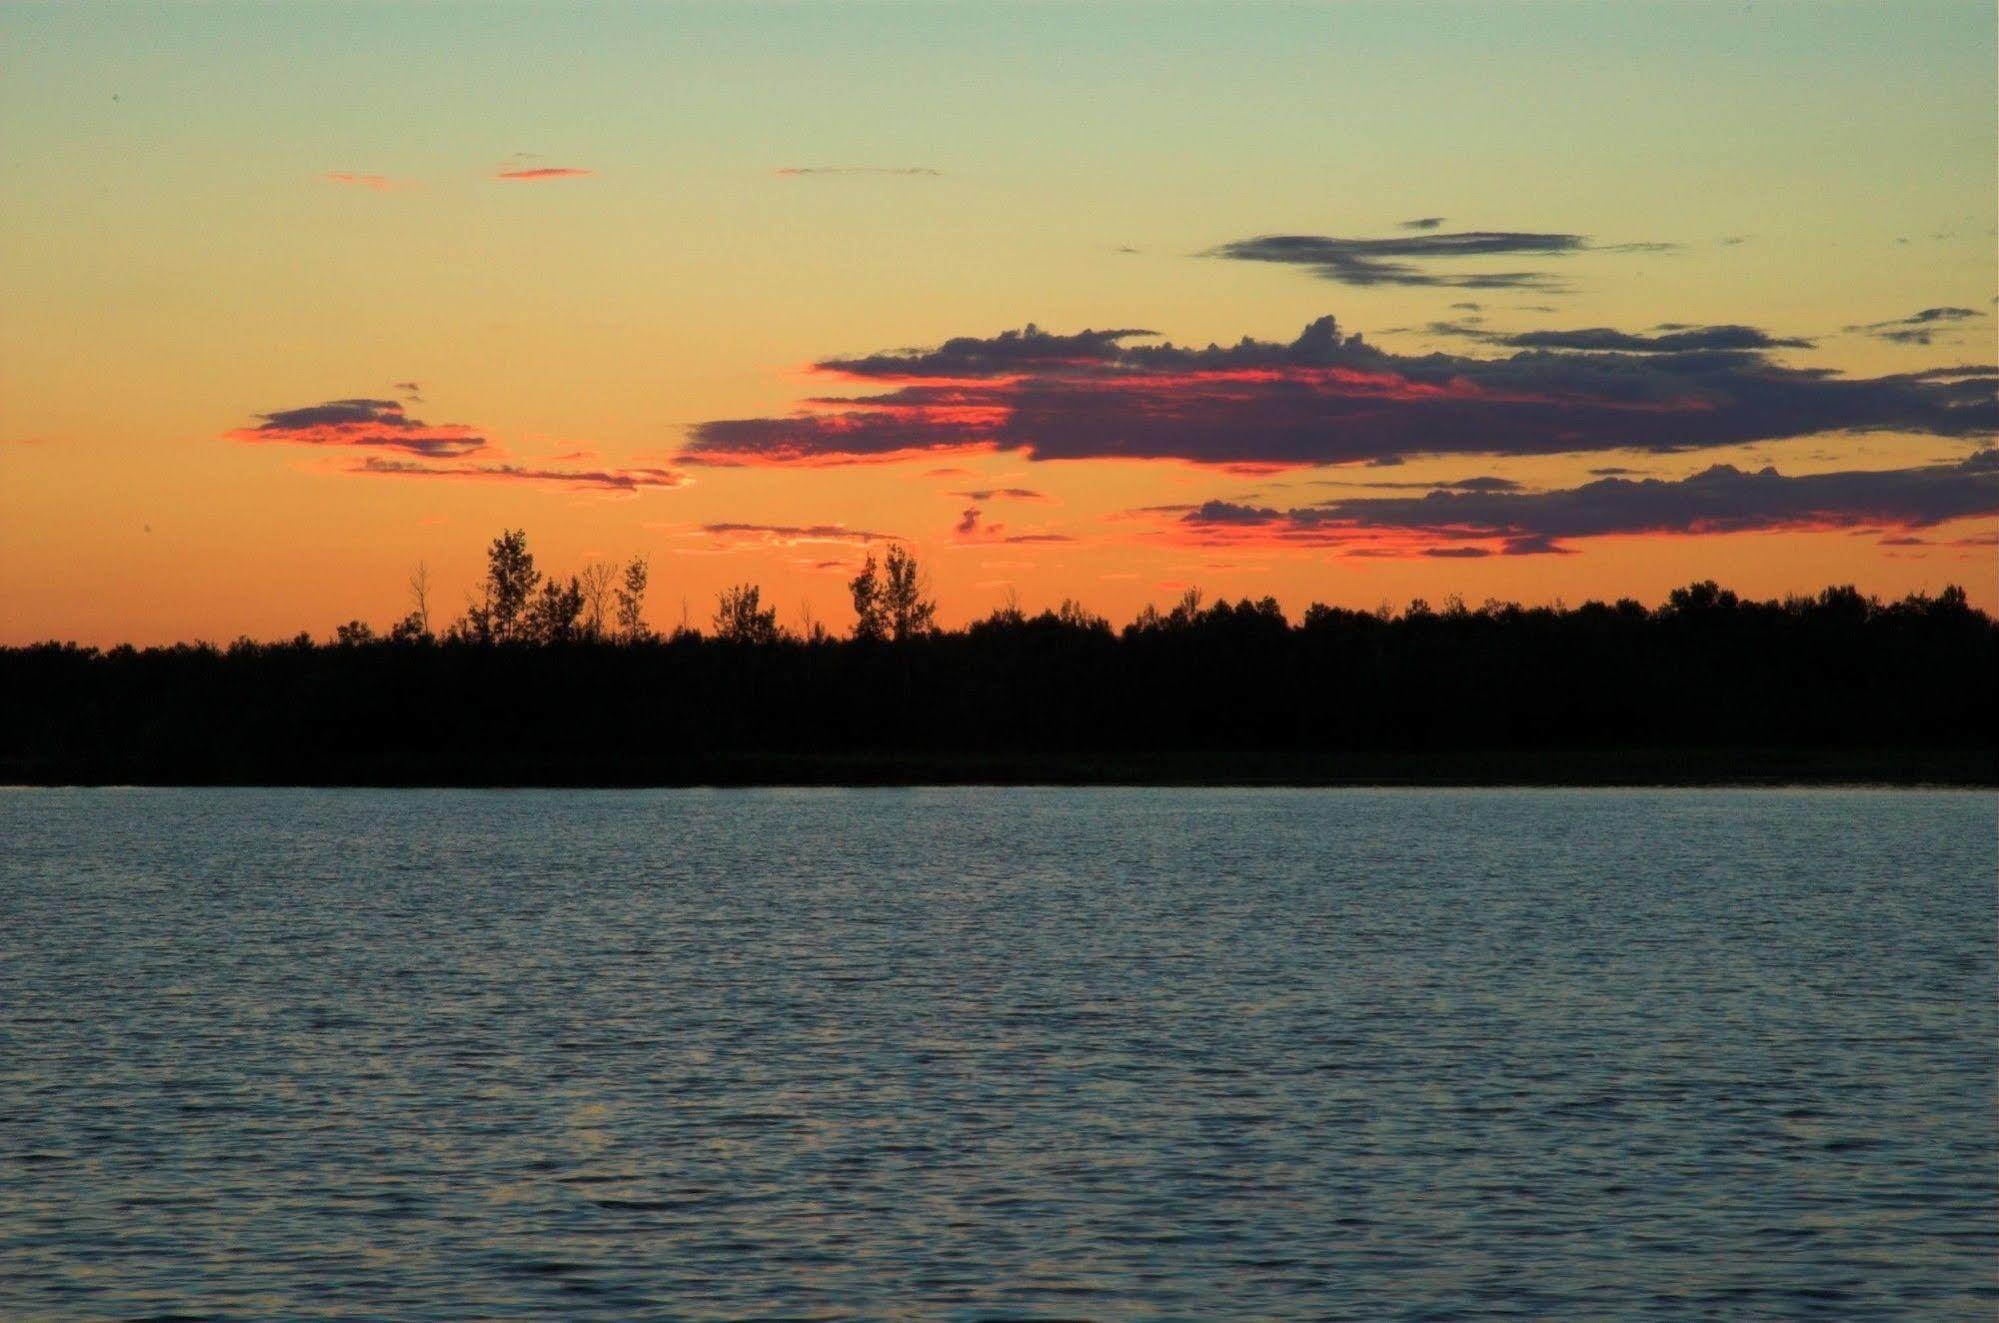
(569, 240)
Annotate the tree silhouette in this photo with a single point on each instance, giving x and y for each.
(501, 616)
(870, 610)
(415, 627)
(597, 583)
(741, 616)
(907, 612)
(631, 595)
(557, 614)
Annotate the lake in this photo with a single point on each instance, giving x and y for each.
(997, 1053)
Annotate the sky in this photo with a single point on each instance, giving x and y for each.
(1346, 303)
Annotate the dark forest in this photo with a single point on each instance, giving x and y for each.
(548, 681)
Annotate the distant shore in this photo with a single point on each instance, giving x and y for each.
(1959, 767)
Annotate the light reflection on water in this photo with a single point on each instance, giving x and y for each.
(967, 1053)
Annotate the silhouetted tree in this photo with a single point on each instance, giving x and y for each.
(596, 583)
(870, 609)
(741, 616)
(415, 626)
(632, 602)
(1187, 611)
(353, 634)
(907, 612)
(501, 616)
(557, 614)
(1074, 615)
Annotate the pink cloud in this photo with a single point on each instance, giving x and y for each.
(374, 183)
(541, 172)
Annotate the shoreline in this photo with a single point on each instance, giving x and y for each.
(1961, 768)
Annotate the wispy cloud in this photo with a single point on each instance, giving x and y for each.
(906, 171)
(539, 173)
(374, 183)
(1677, 338)
(1413, 259)
(1918, 328)
(367, 424)
(1324, 398)
(607, 480)
(1003, 494)
(791, 535)
(423, 450)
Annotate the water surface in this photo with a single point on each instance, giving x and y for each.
(996, 1053)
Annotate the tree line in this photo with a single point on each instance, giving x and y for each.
(563, 679)
(516, 604)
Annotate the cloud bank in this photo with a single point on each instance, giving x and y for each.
(1720, 499)
(1325, 398)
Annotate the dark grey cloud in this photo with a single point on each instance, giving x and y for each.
(1423, 223)
(1720, 499)
(1408, 259)
(974, 356)
(1328, 398)
(1678, 337)
(1483, 483)
(361, 423)
(1918, 328)
(1676, 341)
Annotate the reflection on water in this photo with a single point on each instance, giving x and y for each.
(966, 1053)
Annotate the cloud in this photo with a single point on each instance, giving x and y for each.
(1423, 223)
(1483, 483)
(791, 535)
(373, 183)
(611, 480)
(1680, 337)
(968, 522)
(1720, 499)
(1918, 328)
(1003, 494)
(536, 173)
(449, 450)
(1408, 259)
(364, 424)
(1689, 339)
(974, 356)
(906, 171)
(1324, 398)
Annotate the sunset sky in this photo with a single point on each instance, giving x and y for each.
(296, 296)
